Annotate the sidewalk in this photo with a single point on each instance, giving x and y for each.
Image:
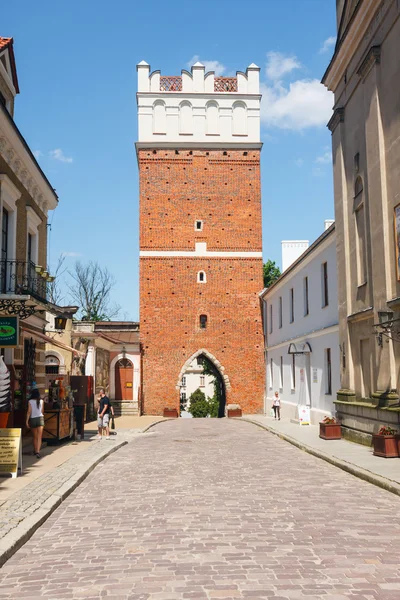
(353, 458)
(27, 501)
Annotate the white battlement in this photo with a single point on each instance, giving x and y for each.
(198, 107)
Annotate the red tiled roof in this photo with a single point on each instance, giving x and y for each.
(8, 43)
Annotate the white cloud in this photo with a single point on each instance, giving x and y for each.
(37, 154)
(299, 162)
(325, 158)
(302, 104)
(210, 65)
(279, 65)
(327, 45)
(58, 154)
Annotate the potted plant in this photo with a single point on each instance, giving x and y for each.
(385, 442)
(330, 429)
(170, 413)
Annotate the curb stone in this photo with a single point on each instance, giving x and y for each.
(382, 482)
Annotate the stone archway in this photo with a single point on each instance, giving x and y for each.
(222, 383)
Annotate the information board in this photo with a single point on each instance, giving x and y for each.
(304, 414)
(10, 451)
(9, 332)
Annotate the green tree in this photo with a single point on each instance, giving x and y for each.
(271, 272)
(199, 407)
(214, 402)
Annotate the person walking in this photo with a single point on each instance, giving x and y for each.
(103, 415)
(276, 405)
(35, 420)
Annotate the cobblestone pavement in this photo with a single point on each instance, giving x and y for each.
(204, 509)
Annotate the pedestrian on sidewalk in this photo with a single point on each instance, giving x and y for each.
(276, 405)
(103, 415)
(35, 420)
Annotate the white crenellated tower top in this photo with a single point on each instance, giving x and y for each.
(198, 108)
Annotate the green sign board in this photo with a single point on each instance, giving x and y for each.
(9, 330)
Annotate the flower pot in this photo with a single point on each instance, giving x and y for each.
(170, 413)
(3, 420)
(234, 412)
(330, 431)
(386, 446)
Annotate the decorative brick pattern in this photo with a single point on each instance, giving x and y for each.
(222, 189)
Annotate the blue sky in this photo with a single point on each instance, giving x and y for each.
(76, 63)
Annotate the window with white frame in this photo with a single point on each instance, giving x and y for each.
(184, 381)
(280, 312)
(306, 303)
(291, 299)
(32, 243)
(360, 226)
(328, 372)
(202, 380)
(324, 284)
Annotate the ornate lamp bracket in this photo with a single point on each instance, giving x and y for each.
(20, 308)
(387, 327)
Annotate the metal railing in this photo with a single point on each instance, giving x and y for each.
(20, 277)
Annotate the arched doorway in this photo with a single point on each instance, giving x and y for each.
(124, 379)
(209, 371)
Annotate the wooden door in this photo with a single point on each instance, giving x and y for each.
(124, 380)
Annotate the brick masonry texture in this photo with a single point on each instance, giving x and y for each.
(222, 191)
(222, 510)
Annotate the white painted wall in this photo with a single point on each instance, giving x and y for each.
(291, 251)
(192, 381)
(198, 113)
(319, 328)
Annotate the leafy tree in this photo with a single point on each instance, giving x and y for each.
(271, 272)
(215, 401)
(199, 407)
(92, 290)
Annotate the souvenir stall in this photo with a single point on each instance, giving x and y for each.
(58, 410)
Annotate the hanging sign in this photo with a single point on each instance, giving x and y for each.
(10, 451)
(9, 330)
(315, 375)
(304, 414)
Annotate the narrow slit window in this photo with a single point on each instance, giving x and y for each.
(201, 277)
(203, 321)
(198, 226)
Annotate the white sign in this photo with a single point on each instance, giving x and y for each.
(10, 451)
(315, 375)
(304, 414)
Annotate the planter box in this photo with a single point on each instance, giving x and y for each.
(386, 446)
(234, 412)
(330, 431)
(170, 413)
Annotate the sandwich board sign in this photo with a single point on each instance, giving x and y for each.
(304, 414)
(10, 452)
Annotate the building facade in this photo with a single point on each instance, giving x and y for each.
(200, 233)
(300, 316)
(26, 196)
(364, 75)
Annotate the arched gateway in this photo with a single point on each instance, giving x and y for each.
(218, 371)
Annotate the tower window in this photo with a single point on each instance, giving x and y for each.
(198, 226)
(203, 321)
(201, 277)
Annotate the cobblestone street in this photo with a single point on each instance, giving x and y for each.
(209, 509)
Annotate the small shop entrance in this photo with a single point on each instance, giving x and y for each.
(124, 380)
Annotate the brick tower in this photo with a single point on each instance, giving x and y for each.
(200, 233)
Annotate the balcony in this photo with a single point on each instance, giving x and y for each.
(22, 278)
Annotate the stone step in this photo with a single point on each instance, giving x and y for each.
(125, 408)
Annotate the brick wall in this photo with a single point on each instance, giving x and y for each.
(223, 191)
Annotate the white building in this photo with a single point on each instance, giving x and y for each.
(193, 379)
(300, 316)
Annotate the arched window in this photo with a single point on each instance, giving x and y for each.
(203, 321)
(185, 118)
(212, 118)
(239, 119)
(159, 117)
(52, 365)
(201, 277)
